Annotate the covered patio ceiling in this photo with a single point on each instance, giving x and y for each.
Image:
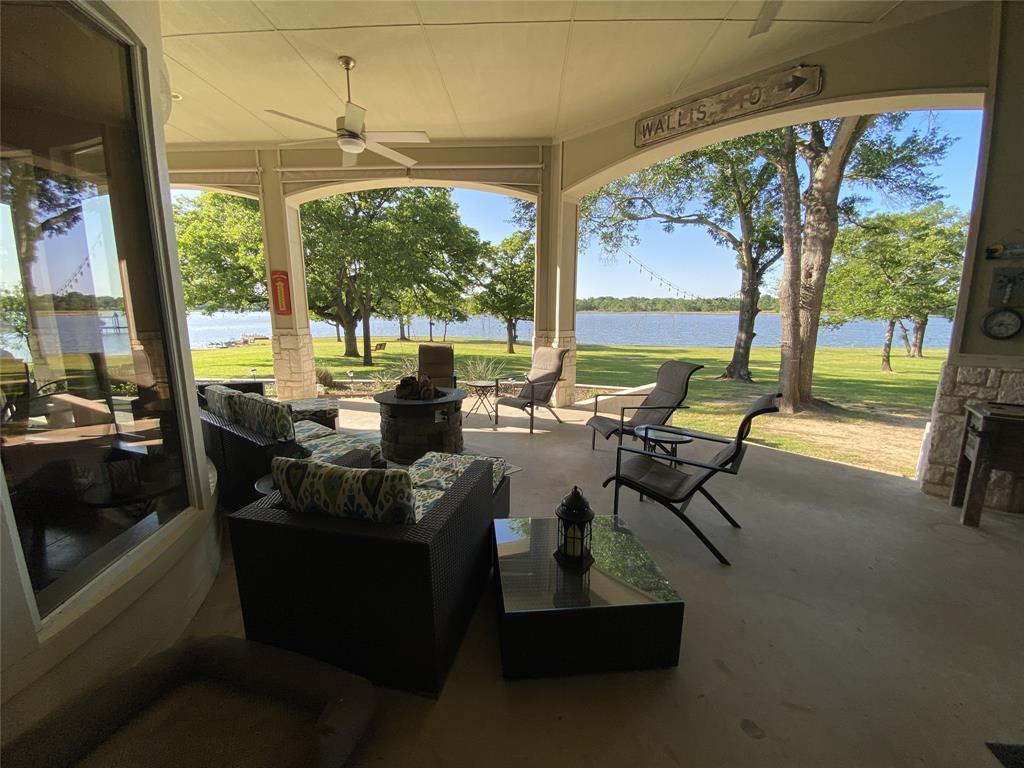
(468, 72)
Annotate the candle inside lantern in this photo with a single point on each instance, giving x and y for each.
(574, 542)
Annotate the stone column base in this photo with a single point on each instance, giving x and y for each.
(960, 386)
(565, 392)
(294, 369)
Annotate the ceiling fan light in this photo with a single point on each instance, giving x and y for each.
(352, 144)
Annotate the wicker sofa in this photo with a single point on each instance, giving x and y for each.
(243, 432)
(387, 601)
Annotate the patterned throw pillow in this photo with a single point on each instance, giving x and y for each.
(320, 409)
(441, 470)
(425, 499)
(380, 495)
(220, 400)
(268, 417)
(288, 476)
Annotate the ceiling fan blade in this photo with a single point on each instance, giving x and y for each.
(398, 137)
(326, 141)
(348, 159)
(390, 154)
(299, 120)
(355, 118)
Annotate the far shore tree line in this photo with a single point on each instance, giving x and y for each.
(728, 304)
(792, 197)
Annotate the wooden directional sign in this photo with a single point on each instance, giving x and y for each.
(757, 96)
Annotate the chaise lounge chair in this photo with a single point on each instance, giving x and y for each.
(545, 373)
(658, 405)
(437, 362)
(647, 473)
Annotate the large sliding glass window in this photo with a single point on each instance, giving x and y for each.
(90, 435)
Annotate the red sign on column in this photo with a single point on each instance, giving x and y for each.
(282, 295)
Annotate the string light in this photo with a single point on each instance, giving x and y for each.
(663, 281)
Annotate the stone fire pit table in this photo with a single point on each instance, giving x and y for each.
(410, 428)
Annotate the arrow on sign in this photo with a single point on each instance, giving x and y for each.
(795, 82)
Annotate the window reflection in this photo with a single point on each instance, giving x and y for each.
(90, 443)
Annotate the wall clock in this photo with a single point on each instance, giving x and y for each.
(1002, 323)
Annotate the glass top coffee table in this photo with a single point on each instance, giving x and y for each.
(619, 614)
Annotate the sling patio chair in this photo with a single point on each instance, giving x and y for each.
(658, 405)
(437, 362)
(658, 476)
(545, 372)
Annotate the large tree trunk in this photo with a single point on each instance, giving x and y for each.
(402, 335)
(917, 345)
(821, 224)
(367, 343)
(890, 326)
(510, 331)
(905, 338)
(351, 338)
(750, 294)
(789, 288)
(349, 321)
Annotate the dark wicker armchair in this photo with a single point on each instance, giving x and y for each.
(658, 405)
(390, 602)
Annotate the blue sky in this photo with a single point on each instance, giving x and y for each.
(688, 257)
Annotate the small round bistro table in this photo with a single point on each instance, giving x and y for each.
(411, 428)
(668, 439)
(482, 388)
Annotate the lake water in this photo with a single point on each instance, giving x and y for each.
(636, 328)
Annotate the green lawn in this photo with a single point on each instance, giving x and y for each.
(876, 419)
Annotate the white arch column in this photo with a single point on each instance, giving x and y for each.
(294, 369)
(554, 303)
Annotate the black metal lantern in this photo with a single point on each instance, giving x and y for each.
(574, 531)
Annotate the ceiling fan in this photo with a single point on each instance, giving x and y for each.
(350, 130)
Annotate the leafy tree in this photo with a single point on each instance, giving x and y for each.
(726, 189)
(44, 204)
(220, 245)
(895, 266)
(863, 150)
(507, 291)
(14, 331)
(365, 249)
(524, 215)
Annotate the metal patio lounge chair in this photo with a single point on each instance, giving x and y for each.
(658, 405)
(656, 475)
(545, 372)
(437, 362)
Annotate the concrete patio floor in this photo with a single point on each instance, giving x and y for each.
(859, 625)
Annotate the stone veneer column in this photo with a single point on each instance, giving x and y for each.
(294, 368)
(555, 283)
(959, 387)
